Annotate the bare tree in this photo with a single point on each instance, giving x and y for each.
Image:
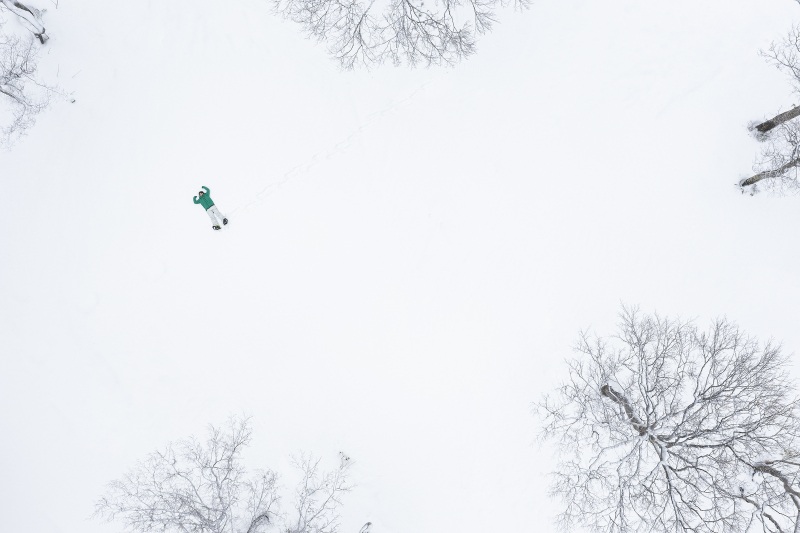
(397, 31)
(317, 497)
(202, 487)
(665, 427)
(24, 95)
(777, 167)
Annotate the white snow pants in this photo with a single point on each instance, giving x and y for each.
(215, 216)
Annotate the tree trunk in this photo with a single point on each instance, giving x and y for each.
(777, 120)
(619, 398)
(774, 173)
(30, 15)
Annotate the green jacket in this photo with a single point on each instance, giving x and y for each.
(205, 200)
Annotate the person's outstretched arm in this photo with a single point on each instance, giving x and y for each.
(208, 191)
(195, 200)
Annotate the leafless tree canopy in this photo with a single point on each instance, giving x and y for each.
(201, 487)
(412, 31)
(778, 165)
(669, 428)
(22, 95)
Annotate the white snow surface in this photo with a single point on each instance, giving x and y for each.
(411, 253)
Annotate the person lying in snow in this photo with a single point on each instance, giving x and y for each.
(204, 199)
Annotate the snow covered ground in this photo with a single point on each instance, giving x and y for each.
(411, 253)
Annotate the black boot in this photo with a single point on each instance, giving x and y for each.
(215, 227)
(224, 221)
